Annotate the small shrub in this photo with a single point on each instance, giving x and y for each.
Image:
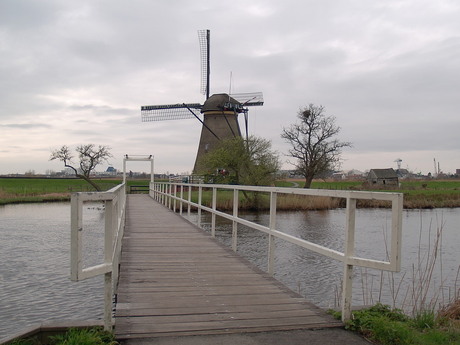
(436, 337)
(391, 332)
(91, 336)
(391, 327)
(335, 314)
(425, 319)
(28, 341)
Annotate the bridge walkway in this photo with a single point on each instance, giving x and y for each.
(176, 280)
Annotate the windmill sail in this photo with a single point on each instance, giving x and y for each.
(249, 99)
(204, 39)
(178, 111)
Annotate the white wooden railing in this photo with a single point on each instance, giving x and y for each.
(115, 201)
(172, 196)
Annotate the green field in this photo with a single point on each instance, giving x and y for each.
(417, 193)
(19, 190)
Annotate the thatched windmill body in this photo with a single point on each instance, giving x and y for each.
(219, 111)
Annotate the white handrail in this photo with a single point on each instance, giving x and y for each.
(115, 202)
(166, 193)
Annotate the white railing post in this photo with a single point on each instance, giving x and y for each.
(174, 199)
(213, 214)
(118, 236)
(110, 221)
(235, 223)
(152, 173)
(271, 238)
(108, 322)
(189, 200)
(76, 228)
(152, 190)
(396, 232)
(161, 196)
(166, 194)
(347, 287)
(181, 197)
(200, 195)
(109, 229)
(170, 189)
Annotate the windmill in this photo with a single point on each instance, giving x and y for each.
(219, 111)
(398, 162)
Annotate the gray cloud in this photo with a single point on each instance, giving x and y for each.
(25, 125)
(79, 72)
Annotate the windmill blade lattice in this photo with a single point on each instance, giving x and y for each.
(249, 99)
(180, 111)
(204, 40)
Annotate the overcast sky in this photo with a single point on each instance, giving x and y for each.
(74, 72)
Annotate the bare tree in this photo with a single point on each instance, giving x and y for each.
(89, 157)
(313, 143)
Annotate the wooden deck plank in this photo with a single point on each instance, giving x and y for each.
(185, 324)
(175, 279)
(146, 309)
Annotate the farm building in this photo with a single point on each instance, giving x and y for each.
(383, 177)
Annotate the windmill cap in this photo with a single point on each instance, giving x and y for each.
(222, 102)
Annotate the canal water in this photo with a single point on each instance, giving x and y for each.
(35, 246)
(35, 266)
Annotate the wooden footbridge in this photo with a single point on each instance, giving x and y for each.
(175, 279)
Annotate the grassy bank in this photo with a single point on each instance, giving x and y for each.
(85, 336)
(388, 326)
(417, 193)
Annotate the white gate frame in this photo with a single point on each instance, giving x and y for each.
(115, 202)
(137, 158)
(166, 193)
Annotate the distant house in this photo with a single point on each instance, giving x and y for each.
(402, 173)
(355, 174)
(111, 171)
(340, 175)
(383, 177)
